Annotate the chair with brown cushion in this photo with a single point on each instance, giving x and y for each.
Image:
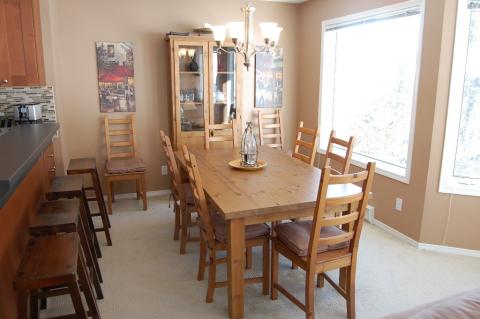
(342, 162)
(123, 163)
(305, 149)
(320, 245)
(184, 204)
(270, 126)
(213, 235)
(219, 133)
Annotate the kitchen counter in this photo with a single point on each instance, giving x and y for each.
(20, 148)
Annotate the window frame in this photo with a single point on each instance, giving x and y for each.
(449, 183)
(383, 168)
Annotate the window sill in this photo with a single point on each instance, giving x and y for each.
(385, 169)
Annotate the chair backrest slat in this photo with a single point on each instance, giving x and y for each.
(308, 156)
(206, 227)
(273, 123)
(120, 137)
(174, 172)
(343, 162)
(211, 131)
(353, 218)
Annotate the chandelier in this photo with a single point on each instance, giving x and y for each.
(241, 34)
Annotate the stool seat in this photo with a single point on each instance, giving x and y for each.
(65, 186)
(60, 216)
(49, 261)
(82, 165)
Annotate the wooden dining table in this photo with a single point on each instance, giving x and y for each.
(285, 189)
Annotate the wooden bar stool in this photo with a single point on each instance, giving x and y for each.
(88, 165)
(68, 216)
(51, 262)
(72, 187)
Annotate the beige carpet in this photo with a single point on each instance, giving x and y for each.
(146, 278)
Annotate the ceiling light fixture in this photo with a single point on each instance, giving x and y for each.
(241, 34)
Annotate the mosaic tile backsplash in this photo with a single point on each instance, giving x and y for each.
(43, 95)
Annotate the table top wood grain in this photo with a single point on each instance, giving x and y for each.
(286, 184)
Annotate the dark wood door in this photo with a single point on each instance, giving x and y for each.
(21, 53)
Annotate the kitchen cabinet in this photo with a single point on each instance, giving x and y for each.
(206, 87)
(21, 62)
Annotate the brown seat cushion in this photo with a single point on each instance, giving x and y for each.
(296, 236)
(465, 305)
(251, 231)
(125, 165)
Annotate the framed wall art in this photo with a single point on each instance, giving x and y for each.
(116, 88)
(269, 79)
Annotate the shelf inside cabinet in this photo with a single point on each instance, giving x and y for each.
(190, 72)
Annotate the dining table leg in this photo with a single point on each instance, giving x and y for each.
(235, 266)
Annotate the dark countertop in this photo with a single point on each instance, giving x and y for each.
(20, 148)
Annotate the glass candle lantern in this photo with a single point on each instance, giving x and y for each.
(249, 148)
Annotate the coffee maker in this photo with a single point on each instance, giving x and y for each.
(28, 113)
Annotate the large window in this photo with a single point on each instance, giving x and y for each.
(461, 153)
(369, 75)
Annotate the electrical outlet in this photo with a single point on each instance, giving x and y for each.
(398, 204)
(164, 169)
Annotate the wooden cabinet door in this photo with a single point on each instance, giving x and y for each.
(21, 62)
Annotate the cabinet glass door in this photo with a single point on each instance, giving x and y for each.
(224, 86)
(191, 87)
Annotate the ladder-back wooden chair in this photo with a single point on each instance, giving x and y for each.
(270, 127)
(309, 146)
(213, 236)
(184, 204)
(123, 163)
(342, 162)
(320, 245)
(220, 133)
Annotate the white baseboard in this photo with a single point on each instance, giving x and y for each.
(428, 247)
(449, 250)
(395, 233)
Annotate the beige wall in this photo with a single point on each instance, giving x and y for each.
(425, 211)
(71, 29)
(449, 220)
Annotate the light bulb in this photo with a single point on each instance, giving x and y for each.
(218, 33)
(268, 30)
(235, 31)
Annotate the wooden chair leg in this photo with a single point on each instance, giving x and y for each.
(109, 196)
(176, 231)
(350, 293)
(105, 222)
(112, 187)
(320, 281)
(294, 266)
(310, 295)
(138, 188)
(84, 230)
(34, 304)
(93, 267)
(22, 304)
(144, 191)
(212, 275)
(99, 196)
(248, 258)
(84, 279)
(43, 302)
(184, 221)
(201, 260)
(77, 301)
(274, 274)
(91, 225)
(266, 266)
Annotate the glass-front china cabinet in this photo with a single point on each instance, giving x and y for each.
(206, 88)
